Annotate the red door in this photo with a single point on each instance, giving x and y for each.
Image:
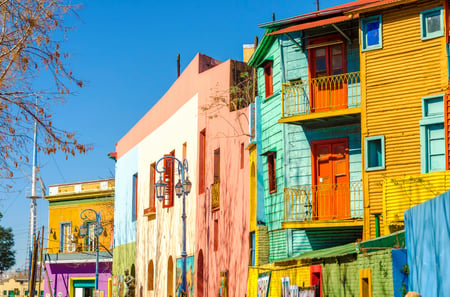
(331, 197)
(328, 86)
(316, 279)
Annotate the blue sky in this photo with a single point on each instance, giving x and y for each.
(125, 52)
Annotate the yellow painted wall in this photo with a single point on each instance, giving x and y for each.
(400, 194)
(394, 80)
(20, 284)
(298, 275)
(252, 189)
(70, 212)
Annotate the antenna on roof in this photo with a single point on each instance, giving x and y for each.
(178, 65)
(273, 16)
(317, 5)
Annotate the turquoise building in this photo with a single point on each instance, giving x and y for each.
(309, 87)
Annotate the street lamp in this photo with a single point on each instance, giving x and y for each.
(182, 188)
(98, 229)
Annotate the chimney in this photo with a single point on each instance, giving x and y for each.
(249, 49)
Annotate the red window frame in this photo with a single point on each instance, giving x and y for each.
(316, 44)
(202, 157)
(268, 78)
(272, 172)
(169, 178)
(151, 203)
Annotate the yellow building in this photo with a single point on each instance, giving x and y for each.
(17, 286)
(404, 82)
(78, 212)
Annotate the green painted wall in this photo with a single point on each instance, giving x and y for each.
(124, 258)
(342, 279)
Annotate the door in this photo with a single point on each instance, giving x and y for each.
(331, 196)
(328, 84)
(316, 279)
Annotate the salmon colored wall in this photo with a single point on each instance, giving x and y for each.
(224, 131)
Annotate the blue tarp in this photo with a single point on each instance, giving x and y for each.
(427, 229)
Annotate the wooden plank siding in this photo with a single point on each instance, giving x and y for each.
(394, 80)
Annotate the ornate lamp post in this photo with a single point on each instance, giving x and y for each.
(98, 229)
(182, 188)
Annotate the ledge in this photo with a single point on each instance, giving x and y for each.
(150, 213)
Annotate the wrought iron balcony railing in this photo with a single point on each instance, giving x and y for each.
(215, 195)
(323, 202)
(341, 91)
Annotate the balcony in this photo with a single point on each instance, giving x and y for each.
(215, 196)
(327, 100)
(402, 193)
(328, 205)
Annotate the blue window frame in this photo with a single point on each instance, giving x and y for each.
(374, 155)
(432, 134)
(432, 23)
(371, 33)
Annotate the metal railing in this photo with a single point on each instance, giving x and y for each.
(215, 195)
(320, 94)
(323, 202)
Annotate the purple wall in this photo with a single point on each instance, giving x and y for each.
(60, 274)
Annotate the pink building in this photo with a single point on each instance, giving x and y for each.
(196, 119)
(222, 245)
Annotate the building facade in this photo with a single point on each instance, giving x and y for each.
(199, 121)
(71, 249)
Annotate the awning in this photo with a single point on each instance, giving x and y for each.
(304, 26)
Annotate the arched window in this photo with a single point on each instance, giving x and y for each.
(200, 274)
(150, 276)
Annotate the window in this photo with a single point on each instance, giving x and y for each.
(169, 179)
(64, 237)
(365, 283)
(371, 37)
(89, 241)
(252, 249)
(202, 150)
(272, 174)
(151, 204)
(432, 134)
(216, 234)
(374, 156)
(432, 23)
(268, 78)
(242, 155)
(217, 165)
(135, 193)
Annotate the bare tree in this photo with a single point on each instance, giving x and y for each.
(241, 93)
(30, 39)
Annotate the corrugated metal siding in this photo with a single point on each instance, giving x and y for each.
(396, 78)
(298, 151)
(295, 61)
(329, 237)
(298, 275)
(278, 245)
(272, 138)
(402, 193)
(342, 278)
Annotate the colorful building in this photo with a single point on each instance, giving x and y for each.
(71, 249)
(198, 120)
(404, 83)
